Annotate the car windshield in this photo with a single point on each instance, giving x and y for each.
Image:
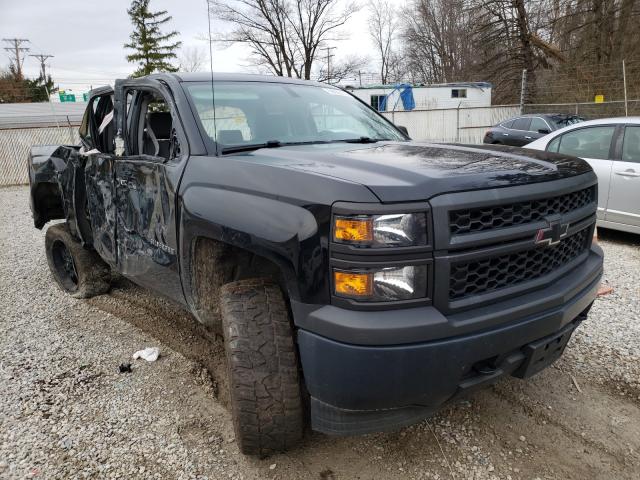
(272, 114)
(566, 121)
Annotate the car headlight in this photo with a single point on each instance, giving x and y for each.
(381, 284)
(388, 230)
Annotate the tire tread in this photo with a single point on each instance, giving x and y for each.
(264, 382)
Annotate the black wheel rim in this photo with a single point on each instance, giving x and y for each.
(65, 266)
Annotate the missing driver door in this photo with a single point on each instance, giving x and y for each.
(146, 178)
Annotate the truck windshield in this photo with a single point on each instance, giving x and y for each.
(259, 114)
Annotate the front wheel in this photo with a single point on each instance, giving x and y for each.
(79, 272)
(264, 383)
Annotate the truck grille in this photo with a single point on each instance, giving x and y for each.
(482, 276)
(486, 218)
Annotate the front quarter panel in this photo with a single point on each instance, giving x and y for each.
(279, 214)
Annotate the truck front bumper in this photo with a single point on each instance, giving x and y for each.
(373, 384)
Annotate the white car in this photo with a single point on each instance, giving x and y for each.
(612, 148)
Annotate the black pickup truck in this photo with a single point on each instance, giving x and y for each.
(360, 280)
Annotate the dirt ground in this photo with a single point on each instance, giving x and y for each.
(579, 419)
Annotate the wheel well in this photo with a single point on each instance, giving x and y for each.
(47, 203)
(215, 263)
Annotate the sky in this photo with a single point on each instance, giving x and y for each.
(86, 37)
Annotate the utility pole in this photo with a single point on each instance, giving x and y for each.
(42, 58)
(523, 90)
(328, 50)
(624, 80)
(17, 51)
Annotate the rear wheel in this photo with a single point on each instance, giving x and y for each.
(79, 272)
(264, 384)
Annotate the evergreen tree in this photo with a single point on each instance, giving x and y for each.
(40, 89)
(152, 48)
(15, 90)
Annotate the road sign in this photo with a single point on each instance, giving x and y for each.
(599, 99)
(67, 97)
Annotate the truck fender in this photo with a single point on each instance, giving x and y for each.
(264, 226)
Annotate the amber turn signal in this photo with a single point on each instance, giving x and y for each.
(353, 229)
(353, 284)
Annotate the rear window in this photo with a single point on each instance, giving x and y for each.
(508, 123)
(537, 124)
(521, 123)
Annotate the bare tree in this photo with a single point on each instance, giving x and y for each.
(343, 69)
(383, 28)
(192, 59)
(514, 35)
(283, 35)
(569, 48)
(261, 25)
(437, 44)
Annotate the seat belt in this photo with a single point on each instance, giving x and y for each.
(152, 136)
(105, 121)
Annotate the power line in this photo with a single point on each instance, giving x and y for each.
(18, 51)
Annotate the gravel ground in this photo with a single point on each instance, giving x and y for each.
(66, 412)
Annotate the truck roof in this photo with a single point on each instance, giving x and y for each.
(233, 77)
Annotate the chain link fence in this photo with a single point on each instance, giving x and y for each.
(588, 110)
(16, 142)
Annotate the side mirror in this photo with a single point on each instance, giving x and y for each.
(544, 131)
(403, 129)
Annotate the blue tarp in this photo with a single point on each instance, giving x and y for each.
(406, 96)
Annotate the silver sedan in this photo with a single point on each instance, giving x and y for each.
(612, 148)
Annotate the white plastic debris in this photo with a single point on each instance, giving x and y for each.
(150, 354)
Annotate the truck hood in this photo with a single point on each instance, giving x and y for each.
(402, 171)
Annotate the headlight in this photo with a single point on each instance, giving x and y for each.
(383, 284)
(390, 230)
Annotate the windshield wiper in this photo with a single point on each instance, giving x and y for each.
(272, 144)
(363, 140)
(252, 146)
(360, 140)
(278, 143)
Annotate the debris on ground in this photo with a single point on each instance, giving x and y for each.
(150, 354)
(604, 290)
(125, 368)
(575, 383)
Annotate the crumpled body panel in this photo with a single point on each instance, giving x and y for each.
(99, 178)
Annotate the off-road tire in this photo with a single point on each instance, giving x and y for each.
(262, 365)
(79, 272)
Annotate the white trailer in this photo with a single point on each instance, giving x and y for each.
(426, 97)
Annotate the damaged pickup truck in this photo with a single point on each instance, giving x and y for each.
(359, 279)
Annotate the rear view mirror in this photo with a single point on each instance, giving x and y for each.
(403, 129)
(543, 131)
